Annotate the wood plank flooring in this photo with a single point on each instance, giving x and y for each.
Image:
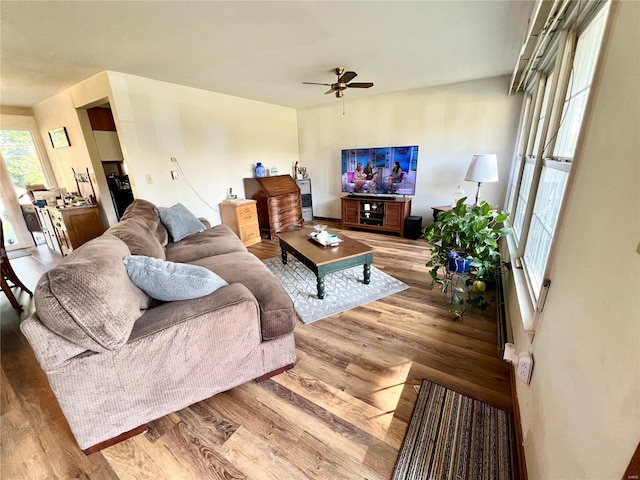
(340, 414)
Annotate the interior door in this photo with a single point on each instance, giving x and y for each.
(16, 234)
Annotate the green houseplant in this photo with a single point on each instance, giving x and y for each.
(470, 233)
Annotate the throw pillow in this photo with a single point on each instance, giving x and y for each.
(88, 298)
(169, 281)
(179, 221)
(139, 238)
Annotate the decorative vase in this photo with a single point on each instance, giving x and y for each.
(458, 263)
(260, 170)
(458, 193)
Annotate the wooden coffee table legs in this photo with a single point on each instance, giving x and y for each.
(320, 276)
(322, 270)
(367, 273)
(320, 286)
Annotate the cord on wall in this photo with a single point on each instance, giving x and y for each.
(186, 179)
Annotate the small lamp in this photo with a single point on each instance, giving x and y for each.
(483, 168)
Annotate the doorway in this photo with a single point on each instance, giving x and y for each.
(21, 170)
(111, 157)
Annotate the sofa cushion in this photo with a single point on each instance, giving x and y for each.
(140, 240)
(88, 299)
(169, 281)
(146, 211)
(215, 241)
(277, 315)
(179, 221)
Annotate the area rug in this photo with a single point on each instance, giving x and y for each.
(17, 254)
(343, 290)
(452, 436)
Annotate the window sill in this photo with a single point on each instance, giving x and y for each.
(525, 303)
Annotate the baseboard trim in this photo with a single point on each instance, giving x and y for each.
(275, 372)
(517, 426)
(112, 441)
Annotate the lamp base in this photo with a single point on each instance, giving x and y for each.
(478, 195)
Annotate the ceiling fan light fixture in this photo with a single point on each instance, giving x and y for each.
(342, 82)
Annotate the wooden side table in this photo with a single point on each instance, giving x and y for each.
(242, 218)
(437, 210)
(444, 208)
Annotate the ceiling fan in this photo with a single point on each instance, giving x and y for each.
(343, 82)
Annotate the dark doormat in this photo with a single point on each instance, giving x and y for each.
(452, 436)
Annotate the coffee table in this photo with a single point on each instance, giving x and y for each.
(322, 260)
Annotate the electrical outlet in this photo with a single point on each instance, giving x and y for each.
(524, 367)
(173, 160)
(148, 178)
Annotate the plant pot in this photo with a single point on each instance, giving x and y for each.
(458, 263)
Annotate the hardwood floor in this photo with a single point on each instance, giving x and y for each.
(341, 413)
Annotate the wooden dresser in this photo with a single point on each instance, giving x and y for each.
(242, 218)
(71, 226)
(278, 200)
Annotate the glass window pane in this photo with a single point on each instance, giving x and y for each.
(543, 223)
(21, 158)
(543, 112)
(584, 64)
(570, 127)
(523, 199)
(514, 183)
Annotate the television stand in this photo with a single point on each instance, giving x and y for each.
(376, 213)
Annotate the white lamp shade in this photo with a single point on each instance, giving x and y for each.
(483, 168)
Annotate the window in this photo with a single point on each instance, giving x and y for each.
(584, 65)
(523, 198)
(519, 154)
(543, 112)
(537, 188)
(19, 152)
(553, 181)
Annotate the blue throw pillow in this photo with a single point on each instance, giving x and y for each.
(179, 221)
(169, 281)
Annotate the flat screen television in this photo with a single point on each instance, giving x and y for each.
(386, 171)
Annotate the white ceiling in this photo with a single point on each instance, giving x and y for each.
(260, 50)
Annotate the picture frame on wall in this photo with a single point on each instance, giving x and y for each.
(59, 138)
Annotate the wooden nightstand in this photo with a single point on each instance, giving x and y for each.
(242, 218)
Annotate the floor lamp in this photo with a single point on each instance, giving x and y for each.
(483, 168)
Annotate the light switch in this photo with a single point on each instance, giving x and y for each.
(149, 178)
(174, 174)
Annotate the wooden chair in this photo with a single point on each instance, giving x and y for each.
(8, 275)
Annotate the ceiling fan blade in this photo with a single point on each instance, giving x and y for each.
(315, 83)
(347, 77)
(360, 85)
(331, 90)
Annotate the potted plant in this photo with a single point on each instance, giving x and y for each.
(464, 241)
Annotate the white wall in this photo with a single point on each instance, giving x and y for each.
(449, 124)
(60, 111)
(55, 112)
(217, 140)
(581, 412)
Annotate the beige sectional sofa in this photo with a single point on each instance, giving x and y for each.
(117, 359)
